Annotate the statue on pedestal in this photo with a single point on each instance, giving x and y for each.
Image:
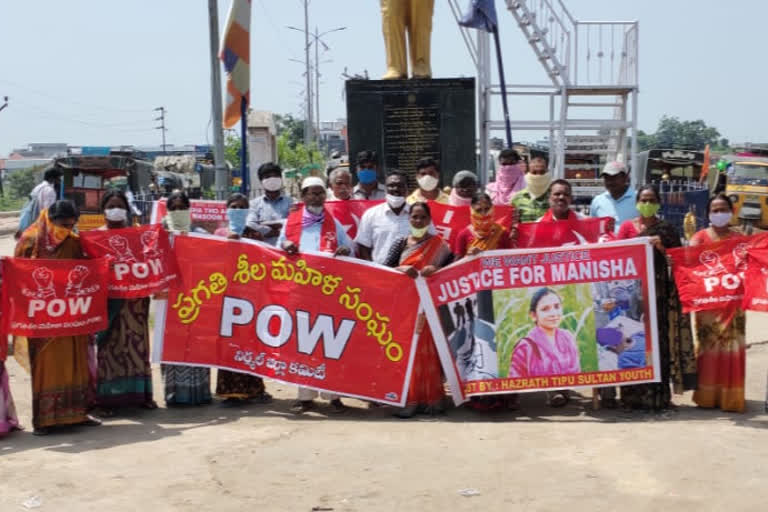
(414, 17)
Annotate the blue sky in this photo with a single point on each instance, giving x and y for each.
(89, 72)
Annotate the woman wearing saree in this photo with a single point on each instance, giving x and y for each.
(125, 375)
(719, 334)
(184, 385)
(59, 367)
(421, 252)
(236, 387)
(8, 419)
(483, 234)
(676, 357)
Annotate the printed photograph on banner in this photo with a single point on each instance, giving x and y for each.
(522, 320)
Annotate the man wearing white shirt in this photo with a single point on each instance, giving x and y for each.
(311, 227)
(381, 225)
(45, 192)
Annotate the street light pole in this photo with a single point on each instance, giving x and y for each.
(220, 167)
(308, 124)
(317, 84)
(162, 127)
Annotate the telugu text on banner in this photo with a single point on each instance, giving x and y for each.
(326, 323)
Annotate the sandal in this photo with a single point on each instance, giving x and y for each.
(559, 400)
(92, 421)
(301, 406)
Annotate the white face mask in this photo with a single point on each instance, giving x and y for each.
(395, 201)
(272, 184)
(427, 182)
(538, 184)
(720, 219)
(116, 214)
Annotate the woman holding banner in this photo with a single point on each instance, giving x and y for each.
(236, 387)
(676, 357)
(421, 252)
(720, 334)
(59, 367)
(125, 375)
(184, 385)
(483, 234)
(547, 349)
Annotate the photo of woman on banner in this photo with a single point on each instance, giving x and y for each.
(546, 349)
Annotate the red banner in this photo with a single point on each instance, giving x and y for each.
(349, 213)
(711, 276)
(321, 322)
(43, 298)
(537, 319)
(141, 260)
(563, 232)
(450, 220)
(756, 293)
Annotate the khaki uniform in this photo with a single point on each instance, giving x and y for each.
(415, 17)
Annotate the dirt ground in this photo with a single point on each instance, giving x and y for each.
(538, 459)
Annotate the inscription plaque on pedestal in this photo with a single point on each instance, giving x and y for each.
(406, 120)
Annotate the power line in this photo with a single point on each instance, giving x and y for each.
(27, 89)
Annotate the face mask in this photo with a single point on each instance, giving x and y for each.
(272, 184)
(366, 176)
(509, 174)
(59, 234)
(721, 219)
(648, 209)
(116, 214)
(427, 182)
(419, 232)
(482, 224)
(315, 210)
(237, 218)
(179, 220)
(395, 201)
(538, 184)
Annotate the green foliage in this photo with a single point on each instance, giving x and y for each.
(291, 127)
(510, 309)
(296, 156)
(22, 182)
(11, 204)
(674, 133)
(232, 148)
(208, 193)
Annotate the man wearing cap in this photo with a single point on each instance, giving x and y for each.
(533, 201)
(267, 213)
(311, 227)
(618, 200)
(368, 186)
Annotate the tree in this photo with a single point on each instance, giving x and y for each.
(22, 182)
(674, 133)
(297, 155)
(232, 148)
(291, 127)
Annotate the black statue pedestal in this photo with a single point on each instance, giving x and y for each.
(406, 120)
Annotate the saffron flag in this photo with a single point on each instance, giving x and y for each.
(235, 53)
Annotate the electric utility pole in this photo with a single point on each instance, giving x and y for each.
(162, 127)
(308, 125)
(220, 166)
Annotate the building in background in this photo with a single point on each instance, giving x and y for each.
(333, 136)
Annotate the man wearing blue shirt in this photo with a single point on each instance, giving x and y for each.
(619, 199)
